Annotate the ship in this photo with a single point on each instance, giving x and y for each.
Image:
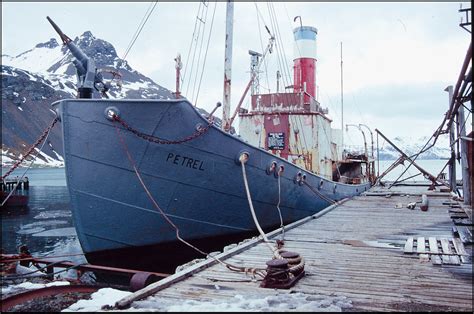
(156, 183)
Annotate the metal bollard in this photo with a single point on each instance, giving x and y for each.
(424, 202)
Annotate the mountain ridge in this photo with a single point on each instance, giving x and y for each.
(34, 79)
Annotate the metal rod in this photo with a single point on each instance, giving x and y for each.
(378, 156)
(363, 135)
(227, 65)
(426, 174)
(452, 164)
(466, 175)
(371, 137)
(342, 105)
(454, 105)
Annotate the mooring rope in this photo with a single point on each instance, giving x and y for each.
(253, 270)
(324, 197)
(282, 226)
(243, 158)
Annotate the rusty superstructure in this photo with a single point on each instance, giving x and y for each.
(294, 126)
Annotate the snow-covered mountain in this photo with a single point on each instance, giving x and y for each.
(34, 79)
(409, 146)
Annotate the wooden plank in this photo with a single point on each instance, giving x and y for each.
(409, 246)
(450, 203)
(465, 234)
(462, 221)
(420, 248)
(433, 245)
(459, 247)
(435, 259)
(462, 215)
(453, 260)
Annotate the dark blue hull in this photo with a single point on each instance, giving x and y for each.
(198, 183)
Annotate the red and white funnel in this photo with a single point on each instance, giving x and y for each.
(304, 51)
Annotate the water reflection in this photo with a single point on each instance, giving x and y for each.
(45, 225)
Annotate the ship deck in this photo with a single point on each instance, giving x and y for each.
(371, 251)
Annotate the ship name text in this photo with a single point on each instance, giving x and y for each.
(184, 161)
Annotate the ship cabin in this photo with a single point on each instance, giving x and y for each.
(293, 125)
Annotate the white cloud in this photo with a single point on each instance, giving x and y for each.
(398, 57)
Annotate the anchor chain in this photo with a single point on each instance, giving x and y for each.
(158, 140)
(31, 149)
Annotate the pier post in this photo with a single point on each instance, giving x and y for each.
(452, 162)
(466, 175)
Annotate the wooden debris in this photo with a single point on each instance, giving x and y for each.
(440, 251)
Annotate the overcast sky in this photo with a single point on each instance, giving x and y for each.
(398, 57)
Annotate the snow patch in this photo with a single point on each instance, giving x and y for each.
(276, 302)
(35, 60)
(49, 161)
(32, 286)
(105, 296)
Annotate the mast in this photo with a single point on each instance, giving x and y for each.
(227, 65)
(342, 108)
(178, 66)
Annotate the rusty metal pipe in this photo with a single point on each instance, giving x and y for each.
(239, 105)
(454, 106)
(98, 268)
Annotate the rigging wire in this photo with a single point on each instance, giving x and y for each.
(190, 47)
(139, 25)
(279, 37)
(196, 38)
(205, 55)
(203, 24)
(265, 61)
(139, 29)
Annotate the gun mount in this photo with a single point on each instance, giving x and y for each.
(88, 76)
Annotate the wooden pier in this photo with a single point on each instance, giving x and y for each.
(371, 250)
(10, 183)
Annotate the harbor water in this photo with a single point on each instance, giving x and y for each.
(46, 225)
